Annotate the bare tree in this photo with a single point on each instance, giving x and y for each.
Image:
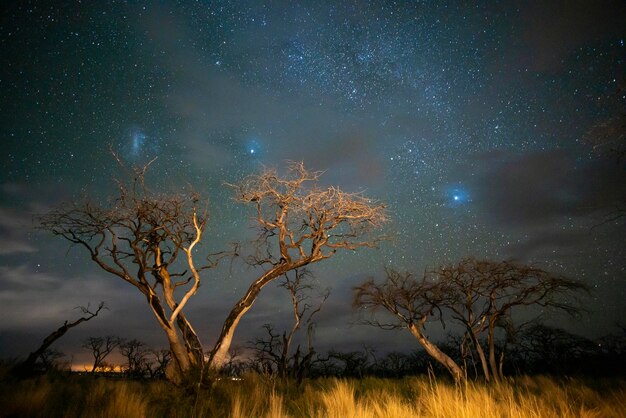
(413, 303)
(483, 296)
(148, 239)
(50, 359)
(274, 350)
(140, 236)
(157, 363)
(299, 223)
(236, 363)
(136, 354)
(28, 365)
(354, 363)
(100, 348)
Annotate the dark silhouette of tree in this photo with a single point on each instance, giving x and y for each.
(275, 352)
(547, 349)
(482, 296)
(395, 364)
(353, 363)
(28, 365)
(100, 348)
(299, 223)
(136, 355)
(412, 302)
(49, 359)
(157, 363)
(236, 364)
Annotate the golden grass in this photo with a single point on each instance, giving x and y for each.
(522, 397)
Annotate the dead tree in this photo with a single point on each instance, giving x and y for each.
(303, 314)
(484, 295)
(354, 363)
(28, 365)
(412, 302)
(146, 239)
(299, 223)
(136, 355)
(157, 363)
(100, 348)
(275, 351)
(50, 359)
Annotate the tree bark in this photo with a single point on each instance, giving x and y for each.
(437, 354)
(219, 354)
(481, 355)
(192, 342)
(180, 363)
(493, 363)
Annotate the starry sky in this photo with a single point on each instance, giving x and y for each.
(470, 119)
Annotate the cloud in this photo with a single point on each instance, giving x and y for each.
(30, 297)
(559, 241)
(14, 228)
(543, 187)
(546, 203)
(18, 204)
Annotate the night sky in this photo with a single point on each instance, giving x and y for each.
(471, 121)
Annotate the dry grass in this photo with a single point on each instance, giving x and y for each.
(83, 396)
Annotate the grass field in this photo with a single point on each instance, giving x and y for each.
(255, 396)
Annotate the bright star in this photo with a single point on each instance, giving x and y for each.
(456, 196)
(253, 147)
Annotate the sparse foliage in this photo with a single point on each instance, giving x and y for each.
(274, 352)
(412, 302)
(146, 239)
(136, 356)
(157, 363)
(299, 223)
(100, 348)
(482, 296)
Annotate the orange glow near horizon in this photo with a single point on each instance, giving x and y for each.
(86, 368)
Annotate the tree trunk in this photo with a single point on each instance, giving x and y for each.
(180, 363)
(481, 355)
(492, 350)
(219, 355)
(192, 342)
(28, 365)
(437, 354)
